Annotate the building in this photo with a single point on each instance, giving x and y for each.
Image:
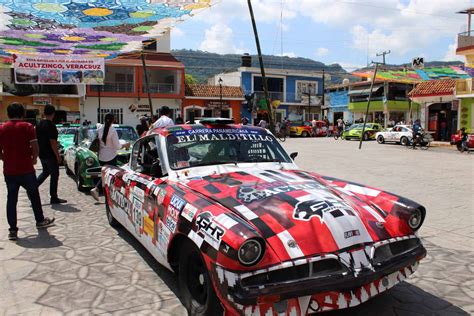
(66, 98)
(464, 88)
(212, 101)
(296, 94)
(389, 102)
(439, 107)
(337, 102)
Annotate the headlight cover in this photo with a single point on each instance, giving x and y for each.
(250, 252)
(90, 161)
(415, 220)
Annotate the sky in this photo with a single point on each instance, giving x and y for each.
(348, 32)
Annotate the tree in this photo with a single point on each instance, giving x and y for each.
(189, 79)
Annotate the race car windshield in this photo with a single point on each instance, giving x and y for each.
(205, 147)
(66, 130)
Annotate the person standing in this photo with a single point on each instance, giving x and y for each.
(340, 126)
(19, 152)
(143, 126)
(179, 120)
(164, 119)
(326, 122)
(417, 130)
(109, 143)
(262, 123)
(47, 135)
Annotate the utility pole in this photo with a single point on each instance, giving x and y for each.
(147, 85)
(262, 68)
(383, 55)
(385, 92)
(368, 104)
(322, 101)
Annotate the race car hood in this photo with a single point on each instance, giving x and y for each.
(298, 214)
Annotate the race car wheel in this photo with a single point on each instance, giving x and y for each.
(305, 134)
(459, 146)
(404, 141)
(68, 171)
(380, 139)
(79, 180)
(196, 287)
(365, 137)
(110, 218)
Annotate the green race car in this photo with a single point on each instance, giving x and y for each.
(355, 131)
(82, 163)
(66, 136)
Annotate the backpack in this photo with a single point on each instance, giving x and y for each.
(95, 145)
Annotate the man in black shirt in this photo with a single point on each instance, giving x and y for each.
(47, 135)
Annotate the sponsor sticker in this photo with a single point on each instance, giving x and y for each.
(171, 224)
(149, 227)
(163, 237)
(160, 197)
(188, 212)
(138, 193)
(351, 233)
(177, 202)
(173, 212)
(249, 194)
(206, 224)
(137, 215)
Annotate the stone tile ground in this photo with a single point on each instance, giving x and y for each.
(83, 266)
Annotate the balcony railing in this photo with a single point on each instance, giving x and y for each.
(465, 39)
(273, 95)
(119, 87)
(161, 88)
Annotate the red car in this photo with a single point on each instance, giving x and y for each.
(249, 233)
(456, 140)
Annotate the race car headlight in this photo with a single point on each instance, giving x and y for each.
(250, 252)
(415, 219)
(90, 161)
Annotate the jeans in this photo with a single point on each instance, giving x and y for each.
(50, 168)
(29, 183)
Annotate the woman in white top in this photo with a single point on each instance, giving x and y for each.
(109, 144)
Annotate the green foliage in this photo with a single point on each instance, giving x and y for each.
(189, 79)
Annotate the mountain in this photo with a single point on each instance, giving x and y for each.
(427, 65)
(202, 65)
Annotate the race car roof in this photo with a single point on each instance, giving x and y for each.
(165, 131)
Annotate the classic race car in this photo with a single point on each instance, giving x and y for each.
(79, 159)
(66, 136)
(398, 134)
(355, 131)
(249, 232)
(299, 128)
(456, 140)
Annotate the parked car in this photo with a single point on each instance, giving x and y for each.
(66, 136)
(250, 233)
(399, 134)
(80, 161)
(300, 128)
(456, 140)
(322, 129)
(355, 131)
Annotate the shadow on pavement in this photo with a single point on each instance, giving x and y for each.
(42, 240)
(67, 208)
(168, 277)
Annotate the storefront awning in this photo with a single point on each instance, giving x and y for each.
(364, 91)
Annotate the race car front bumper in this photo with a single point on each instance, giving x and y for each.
(326, 278)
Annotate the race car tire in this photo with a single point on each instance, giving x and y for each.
(380, 139)
(110, 218)
(198, 294)
(79, 180)
(459, 146)
(404, 141)
(68, 171)
(305, 134)
(365, 137)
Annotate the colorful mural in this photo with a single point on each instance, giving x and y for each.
(98, 28)
(408, 75)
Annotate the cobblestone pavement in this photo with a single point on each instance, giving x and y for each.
(82, 266)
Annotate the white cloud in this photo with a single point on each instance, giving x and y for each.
(220, 39)
(322, 51)
(451, 52)
(288, 54)
(177, 32)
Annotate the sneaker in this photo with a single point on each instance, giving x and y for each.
(57, 201)
(46, 223)
(13, 235)
(95, 194)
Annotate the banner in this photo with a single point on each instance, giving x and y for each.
(58, 70)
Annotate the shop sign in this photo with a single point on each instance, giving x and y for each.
(58, 70)
(41, 100)
(215, 104)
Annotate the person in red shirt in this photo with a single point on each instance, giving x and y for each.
(19, 152)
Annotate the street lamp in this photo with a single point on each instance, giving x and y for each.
(220, 96)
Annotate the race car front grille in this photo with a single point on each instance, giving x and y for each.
(392, 249)
(320, 268)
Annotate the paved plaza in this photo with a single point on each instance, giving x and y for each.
(83, 266)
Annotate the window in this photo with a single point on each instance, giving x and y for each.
(118, 113)
(311, 116)
(119, 79)
(304, 87)
(145, 157)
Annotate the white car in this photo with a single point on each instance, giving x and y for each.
(398, 134)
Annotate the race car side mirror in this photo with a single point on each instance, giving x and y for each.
(294, 155)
